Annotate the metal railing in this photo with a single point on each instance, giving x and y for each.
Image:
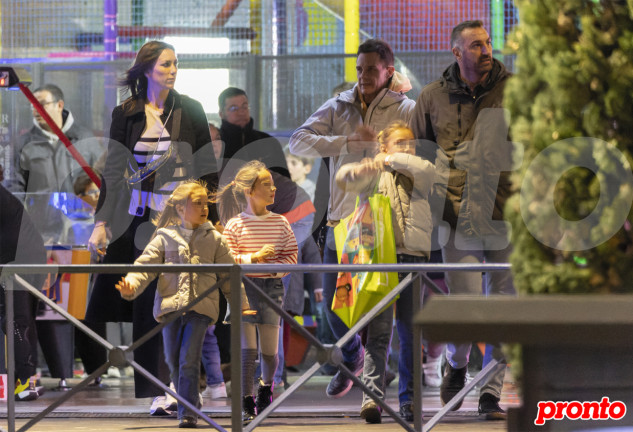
(122, 356)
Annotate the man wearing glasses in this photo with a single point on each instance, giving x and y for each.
(241, 140)
(44, 166)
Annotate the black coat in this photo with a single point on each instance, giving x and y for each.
(195, 149)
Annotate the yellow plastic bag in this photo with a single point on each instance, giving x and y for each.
(364, 237)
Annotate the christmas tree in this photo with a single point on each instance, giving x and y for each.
(571, 108)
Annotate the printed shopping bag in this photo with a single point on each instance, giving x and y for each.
(364, 237)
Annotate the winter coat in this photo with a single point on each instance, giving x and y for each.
(325, 134)
(43, 166)
(177, 290)
(467, 136)
(247, 144)
(407, 182)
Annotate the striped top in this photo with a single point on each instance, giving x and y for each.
(148, 148)
(246, 234)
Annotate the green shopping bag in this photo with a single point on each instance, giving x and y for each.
(364, 237)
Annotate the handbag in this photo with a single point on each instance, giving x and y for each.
(152, 167)
(364, 237)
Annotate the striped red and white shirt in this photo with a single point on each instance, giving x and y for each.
(246, 234)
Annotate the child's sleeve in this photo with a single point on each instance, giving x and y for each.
(287, 247)
(348, 181)
(223, 256)
(154, 253)
(232, 240)
(420, 170)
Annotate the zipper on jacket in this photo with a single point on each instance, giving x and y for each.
(459, 120)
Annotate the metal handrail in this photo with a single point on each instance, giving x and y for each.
(120, 356)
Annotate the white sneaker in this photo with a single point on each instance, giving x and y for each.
(158, 407)
(216, 391)
(113, 372)
(164, 405)
(171, 403)
(432, 371)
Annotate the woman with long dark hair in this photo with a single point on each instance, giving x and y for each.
(154, 136)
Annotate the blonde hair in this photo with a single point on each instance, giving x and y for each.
(383, 135)
(180, 195)
(231, 200)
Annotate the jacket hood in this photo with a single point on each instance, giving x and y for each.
(451, 77)
(385, 98)
(400, 83)
(68, 120)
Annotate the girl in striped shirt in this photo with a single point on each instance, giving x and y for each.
(257, 235)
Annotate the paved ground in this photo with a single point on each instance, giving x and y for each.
(115, 409)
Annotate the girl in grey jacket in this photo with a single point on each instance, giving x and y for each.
(406, 180)
(183, 236)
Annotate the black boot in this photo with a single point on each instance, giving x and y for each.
(248, 409)
(264, 396)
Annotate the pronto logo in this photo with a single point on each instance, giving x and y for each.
(574, 410)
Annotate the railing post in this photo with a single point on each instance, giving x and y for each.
(236, 348)
(418, 292)
(10, 384)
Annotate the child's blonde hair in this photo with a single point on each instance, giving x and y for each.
(180, 195)
(231, 200)
(383, 135)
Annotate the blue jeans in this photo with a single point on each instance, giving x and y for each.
(404, 325)
(459, 248)
(183, 349)
(211, 358)
(352, 349)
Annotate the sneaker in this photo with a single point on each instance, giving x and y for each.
(406, 412)
(340, 384)
(454, 380)
(264, 396)
(25, 392)
(248, 409)
(113, 372)
(171, 403)
(158, 407)
(371, 412)
(432, 372)
(489, 407)
(215, 391)
(188, 423)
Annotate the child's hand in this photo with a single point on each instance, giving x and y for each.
(366, 167)
(379, 160)
(266, 251)
(124, 287)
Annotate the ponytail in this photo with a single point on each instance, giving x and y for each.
(231, 200)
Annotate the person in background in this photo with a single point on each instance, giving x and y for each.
(449, 115)
(44, 166)
(299, 168)
(344, 129)
(21, 243)
(92, 354)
